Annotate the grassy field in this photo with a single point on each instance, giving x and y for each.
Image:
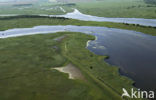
(104, 8)
(30, 22)
(28, 75)
(53, 9)
(119, 8)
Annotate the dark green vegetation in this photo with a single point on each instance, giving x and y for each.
(26, 74)
(19, 5)
(28, 16)
(13, 22)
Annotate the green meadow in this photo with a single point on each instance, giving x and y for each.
(26, 72)
(119, 8)
(53, 9)
(103, 8)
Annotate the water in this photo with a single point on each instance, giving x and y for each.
(133, 52)
(80, 16)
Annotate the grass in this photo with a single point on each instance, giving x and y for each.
(30, 22)
(52, 9)
(118, 8)
(28, 75)
(103, 8)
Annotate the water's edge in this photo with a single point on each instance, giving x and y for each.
(76, 14)
(110, 41)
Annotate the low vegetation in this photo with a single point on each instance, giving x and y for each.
(104, 8)
(29, 73)
(119, 8)
(52, 9)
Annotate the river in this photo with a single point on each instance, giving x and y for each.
(76, 14)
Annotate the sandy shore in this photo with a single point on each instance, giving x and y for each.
(74, 73)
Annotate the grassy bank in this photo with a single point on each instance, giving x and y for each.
(30, 22)
(28, 75)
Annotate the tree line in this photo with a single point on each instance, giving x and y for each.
(29, 16)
